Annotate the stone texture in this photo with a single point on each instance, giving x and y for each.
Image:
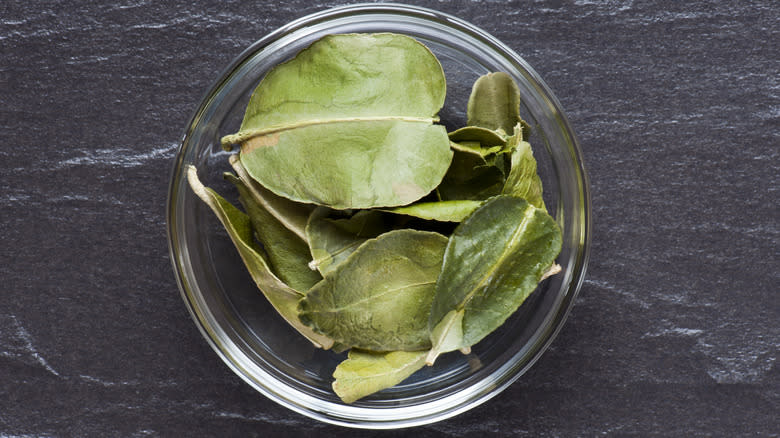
(676, 330)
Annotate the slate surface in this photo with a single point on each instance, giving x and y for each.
(675, 332)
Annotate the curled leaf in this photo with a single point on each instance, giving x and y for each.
(523, 180)
(237, 224)
(292, 215)
(494, 103)
(287, 253)
(379, 297)
(444, 211)
(470, 177)
(485, 137)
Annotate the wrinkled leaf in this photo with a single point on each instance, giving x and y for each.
(471, 177)
(523, 180)
(379, 297)
(479, 164)
(494, 260)
(237, 224)
(494, 103)
(364, 372)
(287, 253)
(348, 123)
(444, 211)
(292, 215)
(332, 240)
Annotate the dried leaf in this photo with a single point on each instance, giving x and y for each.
(293, 215)
(332, 240)
(494, 103)
(523, 180)
(444, 211)
(494, 260)
(364, 372)
(287, 253)
(348, 123)
(379, 297)
(237, 224)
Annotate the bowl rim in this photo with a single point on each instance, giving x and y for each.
(467, 399)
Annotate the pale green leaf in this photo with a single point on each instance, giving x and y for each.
(332, 240)
(348, 123)
(364, 372)
(523, 180)
(443, 211)
(237, 224)
(493, 261)
(293, 215)
(494, 103)
(447, 335)
(379, 297)
(486, 137)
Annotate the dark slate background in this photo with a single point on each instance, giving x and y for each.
(675, 332)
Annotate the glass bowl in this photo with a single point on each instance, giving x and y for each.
(245, 330)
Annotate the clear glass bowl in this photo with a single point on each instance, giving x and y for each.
(258, 345)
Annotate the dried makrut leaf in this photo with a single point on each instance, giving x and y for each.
(494, 103)
(443, 211)
(523, 180)
(349, 123)
(366, 372)
(287, 253)
(332, 240)
(378, 299)
(494, 260)
(238, 226)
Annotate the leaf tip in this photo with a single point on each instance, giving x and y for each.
(552, 270)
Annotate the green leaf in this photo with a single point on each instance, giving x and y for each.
(237, 224)
(523, 180)
(486, 138)
(443, 211)
(348, 123)
(332, 240)
(364, 372)
(287, 253)
(292, 215)
(493, 261)
(494, 103)
(379, 297)
(470, 177)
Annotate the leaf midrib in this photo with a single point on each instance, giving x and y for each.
(527, 214)
(243, 136)
(373, 297)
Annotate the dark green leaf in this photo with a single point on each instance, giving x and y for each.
(494, 260)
